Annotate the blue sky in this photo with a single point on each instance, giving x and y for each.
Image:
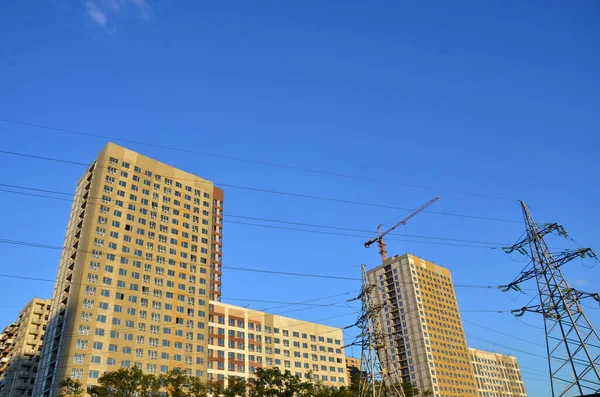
(497, 98)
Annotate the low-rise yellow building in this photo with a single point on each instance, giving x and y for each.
(497, 375)
(241, 340)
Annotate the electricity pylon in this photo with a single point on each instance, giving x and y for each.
(375, 377)
(572, 343)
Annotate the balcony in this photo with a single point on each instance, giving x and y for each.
(35, 330)
(29, 352)
(36, 320)
(32, 342)
(23, 374)
(21, 386)
(39, 311)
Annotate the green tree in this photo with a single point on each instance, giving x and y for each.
(267, 382)
(236, 387)
(291, 384)
(197, 388)
(149, 386)
(356, 376)
(216, 388)
(71, 388)
(175, 383)
(412, 391)
(126, 382)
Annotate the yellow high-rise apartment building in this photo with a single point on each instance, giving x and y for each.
(497, 375)
(141, 260)
(241, 340)
(20, 349)
(424, 337)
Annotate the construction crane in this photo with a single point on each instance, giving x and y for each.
(380, 234)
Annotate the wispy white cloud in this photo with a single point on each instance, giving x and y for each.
(99, 11)
(580, 282)
(143, 8)
(95, 14)
(113, 5)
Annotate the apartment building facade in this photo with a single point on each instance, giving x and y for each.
(20, 349)
(241, 340)
(142, 258)
(497, 375)
(420, 320)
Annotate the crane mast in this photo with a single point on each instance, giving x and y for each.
(380, 234)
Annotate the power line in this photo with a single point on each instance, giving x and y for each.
(270, 164)
(297, 223)
(534, 376)
(36, 195)
(246, 269)
(36, 190)
(354, 235)
(312, 300)
(505, 346)
(535, 379)
(534, 370)
(298, 195)
(203, 354)
(502, 333)
(258, 218)
(20, 277)
(286, 303)
(259, 316)
(57, 247)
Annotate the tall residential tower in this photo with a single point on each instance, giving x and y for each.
(421, 325)
(141, 259)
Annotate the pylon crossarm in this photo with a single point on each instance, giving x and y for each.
(566, 256)
(548, 228)
(523, 310)
(560, 260)
(576, 294)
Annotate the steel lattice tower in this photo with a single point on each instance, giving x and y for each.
(572, 343)
(375, 379)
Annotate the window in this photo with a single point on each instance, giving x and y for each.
(77, 373)
(81, 344)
